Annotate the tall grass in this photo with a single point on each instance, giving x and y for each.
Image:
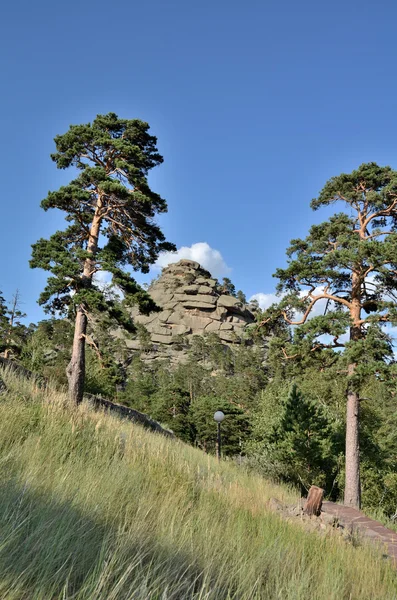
(97, 509)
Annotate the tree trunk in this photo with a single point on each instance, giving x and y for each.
(352, 449)
(7, 351)
(76, 368)
(352, 466)
(314, 501)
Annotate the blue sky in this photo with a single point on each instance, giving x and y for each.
(255, 105)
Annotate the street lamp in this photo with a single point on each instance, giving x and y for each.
(218, 416)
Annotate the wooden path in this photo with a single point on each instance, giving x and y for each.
(356, 522)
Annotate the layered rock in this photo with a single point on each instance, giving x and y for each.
(191, 305)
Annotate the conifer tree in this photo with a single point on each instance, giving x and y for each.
(13, 332)
(350, 263)
(301, 438)
(16, 331)
(241, 296)
(3, 323)
(227, 287)
(235, 427)
(254, 306)
(110, 209)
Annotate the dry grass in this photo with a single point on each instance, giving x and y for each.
(97, 509)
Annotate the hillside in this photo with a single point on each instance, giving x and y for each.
(97, 509)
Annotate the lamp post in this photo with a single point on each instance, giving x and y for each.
(218, 416)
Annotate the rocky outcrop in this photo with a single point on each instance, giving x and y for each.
(127, 413)
(191, 305)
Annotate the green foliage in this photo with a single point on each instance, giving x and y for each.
(144, 337)
(112, 156)
(349, 261)
(241, 296)
(294, 441)
(227, 287)
(184, 397)
(171, 406)
(47, 351)
(254, 306)
(325, 390)
(234, 429)
(84, 520)
(3, 306)
(3, 323)
(13, 332)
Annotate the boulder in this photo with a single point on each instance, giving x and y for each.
(228, 302)
(213, 326)
(170, 305)
(158, 329)
(207, 282)
(196, 322)
(146, 319)
(188, 263)
(181, 329)
(240, 319)
(220, 314)
(164, 315)
(191, 305)
(203, 289)
(229, 336)
(175, 317)
(161, 339)
(190, 289)
(160, 297)
(185, 299)
(133, 344)
(198, 304)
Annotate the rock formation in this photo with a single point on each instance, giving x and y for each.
(191, 305)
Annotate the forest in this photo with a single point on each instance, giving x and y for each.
(309, 390)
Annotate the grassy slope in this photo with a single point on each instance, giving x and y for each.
(92, 508)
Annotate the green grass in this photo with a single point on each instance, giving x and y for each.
(97, 509)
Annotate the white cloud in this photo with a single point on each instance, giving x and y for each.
(208, 257)
(102, 278)
(266, 300)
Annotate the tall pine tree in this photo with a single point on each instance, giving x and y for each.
(110, 209)
(3, 324)
(16, 331)
(350, 263)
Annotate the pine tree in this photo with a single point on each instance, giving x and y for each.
(241, 296)
(292, 439)
(110, 210)
(170, 405)
(16, 331)
(235, 427)
(350, 263)
(302, 438)
(227, 287)
(13, 332)
(254, 306)
(3, 324)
